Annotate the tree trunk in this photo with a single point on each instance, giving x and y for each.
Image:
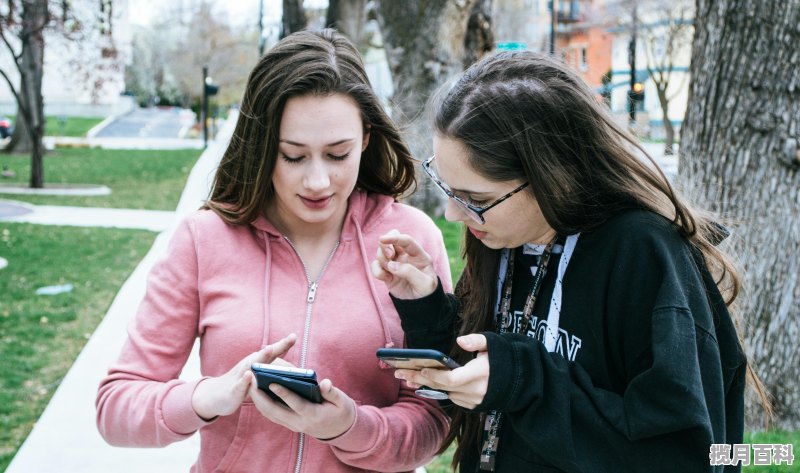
(669, 139)
(669, 130)
(348, 17)
(30, 105)
(425, 45)
(294, 17)
(739, 158)
(20, 139)
(479, 38)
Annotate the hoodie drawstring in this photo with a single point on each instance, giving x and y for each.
(375, 298)
(267, 265)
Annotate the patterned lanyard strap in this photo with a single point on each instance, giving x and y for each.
(491, 424)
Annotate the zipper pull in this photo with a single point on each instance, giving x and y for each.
(312, 291)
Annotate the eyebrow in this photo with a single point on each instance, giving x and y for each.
(294, 143)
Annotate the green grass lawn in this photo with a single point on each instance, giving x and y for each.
(40, 336)
(453, 234)
(453, 237)
(70, 126)
(139, 179)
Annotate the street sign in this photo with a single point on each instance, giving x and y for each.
(512, 46)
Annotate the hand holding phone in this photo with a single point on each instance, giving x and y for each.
(417, 359)
(302, 382)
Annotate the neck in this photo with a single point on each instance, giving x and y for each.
(544, 238)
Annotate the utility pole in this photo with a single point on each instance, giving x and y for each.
(261, 39)
(204, 111)
(553, 21)
(632, 60)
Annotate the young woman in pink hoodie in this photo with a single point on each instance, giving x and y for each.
(277, 264)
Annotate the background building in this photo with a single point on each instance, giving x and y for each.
(84, 76)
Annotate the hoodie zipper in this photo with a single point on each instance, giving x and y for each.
(312, 294)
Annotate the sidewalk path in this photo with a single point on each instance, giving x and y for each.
(50, 142)
(65, 438)
(153, 220)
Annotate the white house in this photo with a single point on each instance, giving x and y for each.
(85, 77)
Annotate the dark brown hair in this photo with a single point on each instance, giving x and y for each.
(304, 63)
(522, 115)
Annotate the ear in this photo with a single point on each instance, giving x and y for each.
(365, 141)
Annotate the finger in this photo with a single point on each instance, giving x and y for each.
(406, 243)
(293, 401)
(387, 251)
(280, 347)
(472, 342)
(414, 379)
(440, 379)
(423, 283)
(379, 273)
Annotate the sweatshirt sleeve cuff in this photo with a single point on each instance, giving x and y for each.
(416, 312)
(177, 411)
(502, 378)
(360, 436)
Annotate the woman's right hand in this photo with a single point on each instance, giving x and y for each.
(405, 267)
(224, 394)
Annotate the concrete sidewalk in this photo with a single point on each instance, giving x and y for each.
(65, 438)
(153, 220)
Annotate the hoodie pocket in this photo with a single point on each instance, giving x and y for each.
(239, 441)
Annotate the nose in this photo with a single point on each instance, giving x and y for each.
(454, 213)
(317, 177)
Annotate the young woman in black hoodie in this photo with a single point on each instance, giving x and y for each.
(592, 316)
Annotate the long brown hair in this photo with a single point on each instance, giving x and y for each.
(304, 63)
(526, 115)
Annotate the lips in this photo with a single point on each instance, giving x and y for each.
(316, 202)
(477, 234)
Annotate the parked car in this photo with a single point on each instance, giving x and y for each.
(6, 127)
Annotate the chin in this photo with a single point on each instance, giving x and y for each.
(490, 243)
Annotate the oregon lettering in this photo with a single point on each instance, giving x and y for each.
(566, 345)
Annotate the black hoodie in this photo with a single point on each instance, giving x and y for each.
(648, 372)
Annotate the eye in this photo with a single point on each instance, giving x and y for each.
(339, 157)
(290, 159)
(477, 203)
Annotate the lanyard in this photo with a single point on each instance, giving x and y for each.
(491, 424)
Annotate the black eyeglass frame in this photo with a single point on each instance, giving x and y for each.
(474, 212)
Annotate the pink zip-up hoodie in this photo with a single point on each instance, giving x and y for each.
(239, 288)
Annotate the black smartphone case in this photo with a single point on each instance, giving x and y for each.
(304, 387)
(393, 355)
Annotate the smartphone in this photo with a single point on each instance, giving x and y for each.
(416, 359)
(301, 381)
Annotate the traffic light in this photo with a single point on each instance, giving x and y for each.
(637, 93)
(211, 89)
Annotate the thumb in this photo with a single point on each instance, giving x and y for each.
(331, 393)
(242, 385)
(472, 342)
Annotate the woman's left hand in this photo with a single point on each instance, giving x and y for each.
(326, 420)
(466, 386)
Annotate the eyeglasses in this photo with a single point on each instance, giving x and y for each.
(473, 211)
